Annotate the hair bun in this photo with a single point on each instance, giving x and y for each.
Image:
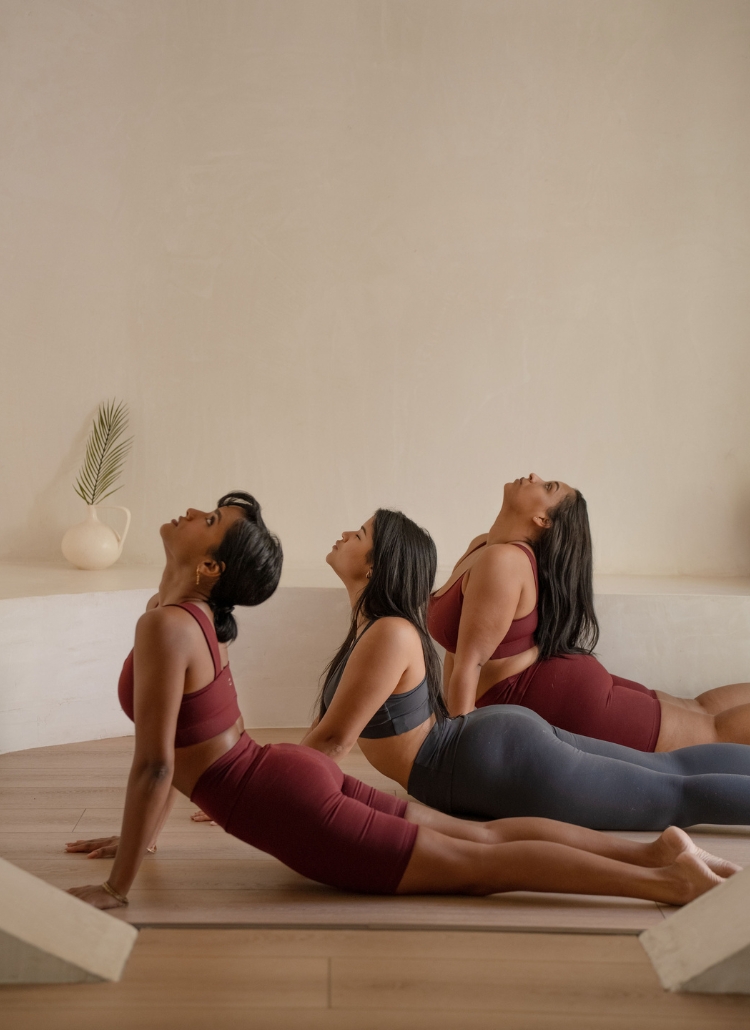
(242, 500)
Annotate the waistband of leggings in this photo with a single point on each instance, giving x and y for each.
(218, 786)
(431, 776)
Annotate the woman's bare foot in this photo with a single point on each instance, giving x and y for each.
(675, 842)
(687, 878)
(201, 817)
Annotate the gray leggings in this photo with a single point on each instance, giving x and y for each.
(504, 760)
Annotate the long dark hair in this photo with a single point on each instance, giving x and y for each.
(567, 620)
(404, 563)
(252, 559)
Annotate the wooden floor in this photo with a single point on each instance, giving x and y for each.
(202, 877)
(373, 980)
(233, 939)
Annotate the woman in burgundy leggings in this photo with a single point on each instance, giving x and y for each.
(517, 621)
(293, 801)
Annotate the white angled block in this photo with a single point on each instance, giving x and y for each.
(705, 947)
(48, 936)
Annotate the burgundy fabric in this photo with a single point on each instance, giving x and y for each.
(204, 713)
(296, 804)
(444, 618)
(576, 693)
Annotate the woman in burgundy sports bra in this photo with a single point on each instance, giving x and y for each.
(293, 801)
(517, 621)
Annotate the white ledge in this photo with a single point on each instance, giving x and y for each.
(686, 585)
(41, 579)
(64, 634)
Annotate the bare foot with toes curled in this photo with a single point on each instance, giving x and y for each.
(675, 842)
(689, 877)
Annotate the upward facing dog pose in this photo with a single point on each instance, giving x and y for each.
(295, 803)
(383, 688)
(517, 621)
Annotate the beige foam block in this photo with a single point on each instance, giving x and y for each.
(48, 936)
(705, 946)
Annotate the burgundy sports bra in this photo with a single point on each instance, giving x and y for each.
(444, 617)
(204, 713)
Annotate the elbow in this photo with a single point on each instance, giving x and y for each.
(333, 746)
(454, 710)
(155, 771)
(460, 703)
(340, 749)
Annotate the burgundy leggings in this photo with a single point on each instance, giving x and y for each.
(577, 694)
(296, 804)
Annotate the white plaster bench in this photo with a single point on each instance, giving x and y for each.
(64, 634)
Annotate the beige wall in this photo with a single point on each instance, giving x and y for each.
(355, 253)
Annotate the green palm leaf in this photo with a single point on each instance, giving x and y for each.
(106, 452)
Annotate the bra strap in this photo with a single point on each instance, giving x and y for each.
(354, 644)
(532, 559)
(370, 623)
(209, 631)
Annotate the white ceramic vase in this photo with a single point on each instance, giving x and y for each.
(92, 544)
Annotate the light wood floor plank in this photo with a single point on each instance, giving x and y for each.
(428, 944)
(162, 874)
(280, 979)
(484, 984)
(35, 819)
(310, 904)
(204, 1017)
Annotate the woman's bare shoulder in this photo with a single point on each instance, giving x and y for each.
(392, 632)
(393, 626)
(476, 543)
(501, 558)
(168, 625)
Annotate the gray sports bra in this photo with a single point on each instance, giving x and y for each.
(399, 714)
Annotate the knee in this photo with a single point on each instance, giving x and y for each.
(493, 832)
(507, 830)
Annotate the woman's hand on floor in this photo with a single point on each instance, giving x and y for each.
(95, 895)
(201, 817)
(99, 847)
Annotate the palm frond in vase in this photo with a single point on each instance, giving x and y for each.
(106, 452)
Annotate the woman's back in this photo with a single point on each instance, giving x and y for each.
(378, 696)
(446, 605)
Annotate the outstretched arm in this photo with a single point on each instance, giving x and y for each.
(162, 643)
(388, 653)
(490, 603)
(165, 813)
(448, 661)
(106, 847)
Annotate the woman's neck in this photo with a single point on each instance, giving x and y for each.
(509, 527)
(178, 586)
(354, 590)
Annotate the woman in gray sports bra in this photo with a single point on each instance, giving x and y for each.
(382, 688)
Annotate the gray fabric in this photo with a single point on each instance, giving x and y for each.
(505, 760)
(399, 714)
